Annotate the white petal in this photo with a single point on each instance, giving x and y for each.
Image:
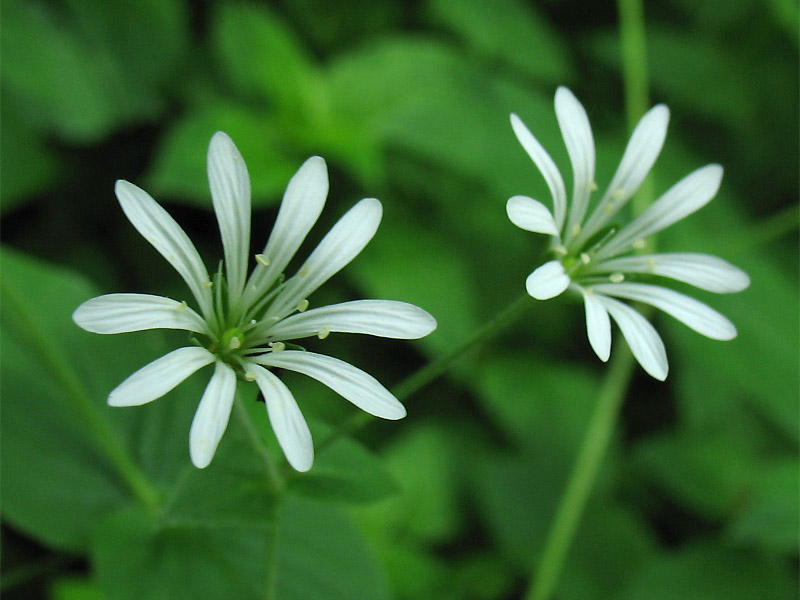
(640, 154)
(230, 192)
(383, 318)
(286, 419)
(693, 313)
(577, 134)
(688, 195)
(166, 236)
(212, 415)
(353, 384)
(548, 281)
(546, 166)
(159, 377)
(301, 206)
(700, 270)
(531, 215)
(342, 243)
(122, 313)
(643, 339)
(598, 325)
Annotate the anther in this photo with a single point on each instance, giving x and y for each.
(639, 244)
(250, 376)
(560, 250)
(576, 229)
(324, 332)
(182, 306)
(208, 284)
(651, 264)
(302, 305)
(304, 271)
(262, 259)
(616, 278)
(593, 187)
(234, 343)
(277, 346)
(585, 258)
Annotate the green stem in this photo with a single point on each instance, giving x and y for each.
(273, 475)
(584, 473)
(606, 412)
(103, 435)
(436, 368)
(634, 77)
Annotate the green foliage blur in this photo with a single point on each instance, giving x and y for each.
(407, 102)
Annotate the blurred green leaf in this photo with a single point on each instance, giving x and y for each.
(708, 570)
(320, 554)
(348, 472)
(179, 168)
(27, 164)
(507, 31)
(770, 517)
(50, 458)
(73, 588)
(443, 287)
(262, 57)
(92, 67)
(138, 555)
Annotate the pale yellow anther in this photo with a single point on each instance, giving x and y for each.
(304, 271)
(302, 306)
(250, 376)
(609, 209)
(619, 194)
(262, 259)
(323, 333)
(182, 306)
(639, 244)
(585, 258)
(560, 250)
(616, 278)
(208, 284)
(576, 229)
(651, 264)
(593, 187)
(235, 343)
(277, 346)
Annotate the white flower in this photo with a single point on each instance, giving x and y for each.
(589, 251)
(244, 324)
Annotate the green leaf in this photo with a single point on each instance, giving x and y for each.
(74, 588)
(320, 554)
(262, 57)
(346, 471)
(507, 30)
(86, 70)
(138, 555)
(709, 570)
(179, 168)
(52, 386)
(770, 517)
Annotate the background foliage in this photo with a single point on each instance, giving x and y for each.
(408, 102)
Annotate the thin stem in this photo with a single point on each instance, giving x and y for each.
(436, 368)
(634, 77)
(584, 473)
(606, 412)
(106, 440)
(273, 475)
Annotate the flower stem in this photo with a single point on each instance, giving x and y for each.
(273, 476)
(584, 473)
(415, 382)
(601, 426)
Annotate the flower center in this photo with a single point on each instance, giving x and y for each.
(231, 340)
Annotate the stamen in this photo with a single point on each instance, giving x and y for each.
(183, 306)
(234, 343)
(619, 194)
(207, 284)
(250, 376)
(277, 346)
(324, 332)
(639, 244)
(593, 187)
(576, 229)
(262, 259)
(302, 305)
(616, 278)
(304, 271)
(585, 258)
(560, 249)
(651, 264)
